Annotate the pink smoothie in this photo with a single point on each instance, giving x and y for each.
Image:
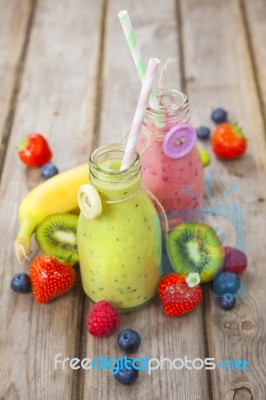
(177, 183)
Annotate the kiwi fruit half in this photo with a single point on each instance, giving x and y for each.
(195, 247)
(56, 237)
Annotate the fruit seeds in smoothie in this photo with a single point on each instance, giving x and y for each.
(120, 252)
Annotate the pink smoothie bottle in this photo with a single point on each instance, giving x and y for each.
(171, 164)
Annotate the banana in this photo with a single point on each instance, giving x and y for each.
(56, 195)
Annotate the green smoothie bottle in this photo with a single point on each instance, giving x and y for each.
(119, 233)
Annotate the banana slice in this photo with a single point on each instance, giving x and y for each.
(89, 201)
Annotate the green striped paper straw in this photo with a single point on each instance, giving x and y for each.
(136, 53)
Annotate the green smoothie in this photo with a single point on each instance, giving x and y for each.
(120, 251)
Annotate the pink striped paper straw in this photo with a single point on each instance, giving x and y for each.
(140, 112)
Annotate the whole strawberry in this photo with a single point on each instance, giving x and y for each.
(102, 319)
(50, 278)
(176, 296)
(34, 150)
(228, 141)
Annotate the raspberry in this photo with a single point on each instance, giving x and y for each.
(234, 260)
(102, 319)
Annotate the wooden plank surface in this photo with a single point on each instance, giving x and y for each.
(79, 87)
(58, 99)
(219, 72)
(158, 37)
(15, 17)
(255, 17)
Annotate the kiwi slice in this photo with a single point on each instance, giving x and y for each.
(195, 247)
(56, 237)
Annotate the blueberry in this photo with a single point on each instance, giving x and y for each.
(226, 282)
(219, 115)
(227, 301)
(128, 340)
(48, 170)
(128, 375)
(21, 283)
(203, 132)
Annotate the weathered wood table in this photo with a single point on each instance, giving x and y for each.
(65, 71)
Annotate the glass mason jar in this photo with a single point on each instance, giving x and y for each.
(119, 234)
(171, 164)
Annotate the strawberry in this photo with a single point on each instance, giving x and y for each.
(34, 150)
(50, 278)
(228, 141)
(176, 296)
(102, 319)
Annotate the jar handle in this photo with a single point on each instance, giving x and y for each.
(89, 201)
